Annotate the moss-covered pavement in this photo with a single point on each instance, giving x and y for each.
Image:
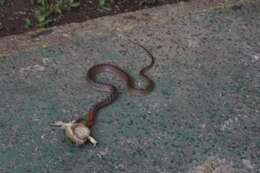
(202, 117)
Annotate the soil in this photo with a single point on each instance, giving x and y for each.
(14, 12)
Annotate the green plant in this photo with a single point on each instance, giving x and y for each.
(104, 4)
(2, 2)
(47, 11)
(28, 23)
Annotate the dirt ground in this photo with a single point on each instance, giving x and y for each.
(14, 13)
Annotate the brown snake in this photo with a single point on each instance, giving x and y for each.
(106, 87)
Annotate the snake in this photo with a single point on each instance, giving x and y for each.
(96, 70)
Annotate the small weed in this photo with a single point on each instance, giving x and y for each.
(28, 23)
(104, 4)
(48, 11)
(2, 2)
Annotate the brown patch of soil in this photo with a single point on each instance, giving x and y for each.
(13, 14)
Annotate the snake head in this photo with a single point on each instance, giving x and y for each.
(78, 133)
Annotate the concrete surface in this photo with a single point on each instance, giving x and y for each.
(202, 117)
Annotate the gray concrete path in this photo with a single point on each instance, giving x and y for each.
(202, 117)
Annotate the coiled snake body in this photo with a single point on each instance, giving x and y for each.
(106, 87)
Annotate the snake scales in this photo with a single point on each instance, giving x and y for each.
(95, 70)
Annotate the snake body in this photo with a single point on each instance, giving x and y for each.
(95, 70)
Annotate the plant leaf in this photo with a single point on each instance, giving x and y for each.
(2, 2)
